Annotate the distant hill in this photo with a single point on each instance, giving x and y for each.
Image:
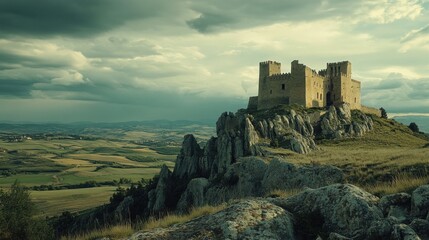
(81, 127)
(421, 121)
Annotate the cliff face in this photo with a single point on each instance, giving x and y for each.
(235, 165)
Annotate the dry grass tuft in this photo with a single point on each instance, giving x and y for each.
(171, 219)
(282, 193)
(401, 183)
(114, 232)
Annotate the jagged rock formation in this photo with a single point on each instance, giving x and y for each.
(234, 164)
(338, 211)
(338, 123)
(252, 176)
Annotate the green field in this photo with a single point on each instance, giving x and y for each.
(55, 202)
(64, 162)
(78, 166)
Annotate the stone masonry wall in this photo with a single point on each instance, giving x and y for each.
(305, 86)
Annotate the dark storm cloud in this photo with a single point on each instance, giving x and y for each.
(216, 15)
(75, 17)
(420, 89)
(393, 81)
(11, 61)
(15, 88)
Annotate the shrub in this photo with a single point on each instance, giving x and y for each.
(383, 113)
(413, 126)
(16, 216)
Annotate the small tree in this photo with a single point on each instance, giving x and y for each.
(413, 126)
(383, 113)
(16, 216)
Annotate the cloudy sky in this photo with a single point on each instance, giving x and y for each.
(109, 60)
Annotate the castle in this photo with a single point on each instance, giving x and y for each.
(305, 86)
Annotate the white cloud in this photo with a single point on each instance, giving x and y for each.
(387, 11)
(68, 78)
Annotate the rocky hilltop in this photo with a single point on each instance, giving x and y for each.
(242, 162)
(235, 164)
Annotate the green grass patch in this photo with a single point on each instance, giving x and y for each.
(52, 203)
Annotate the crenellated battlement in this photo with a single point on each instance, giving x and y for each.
(268, 63)
(306, 86)
(280, 76)
(322, 72)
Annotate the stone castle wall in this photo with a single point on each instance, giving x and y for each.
(371, 110)
(305, 86)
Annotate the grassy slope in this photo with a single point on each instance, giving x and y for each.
(388, 153)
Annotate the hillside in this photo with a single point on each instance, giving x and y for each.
(257, 154)
(421, 121)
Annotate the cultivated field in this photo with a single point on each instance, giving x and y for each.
(69, 172)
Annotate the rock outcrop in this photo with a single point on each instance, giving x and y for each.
(231, 163)
(283, 175)
(250, 219)
(343, 209)
(420, 202)
(157, 197)
(339, 123)
(252, 176)
(336, 212)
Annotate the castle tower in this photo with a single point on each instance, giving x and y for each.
(269, 68)
(339, 79)
(266, 69)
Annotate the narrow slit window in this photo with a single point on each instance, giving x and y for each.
(283, 86)
(271, 91)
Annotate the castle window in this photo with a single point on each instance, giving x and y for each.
(321, 96)
(271, 91)
(317, 95)
(283, 86)
(355, 100)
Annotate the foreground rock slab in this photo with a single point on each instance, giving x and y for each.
(341, 208)
(249, 219)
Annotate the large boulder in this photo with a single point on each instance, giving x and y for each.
(250, 219)
(291, 131)
(283, 175)
(420, 201)
(339, 122)
(194, 195)
(245, 176)
(396, 205)
(340, 208)
(403, 232)
(421, 227)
